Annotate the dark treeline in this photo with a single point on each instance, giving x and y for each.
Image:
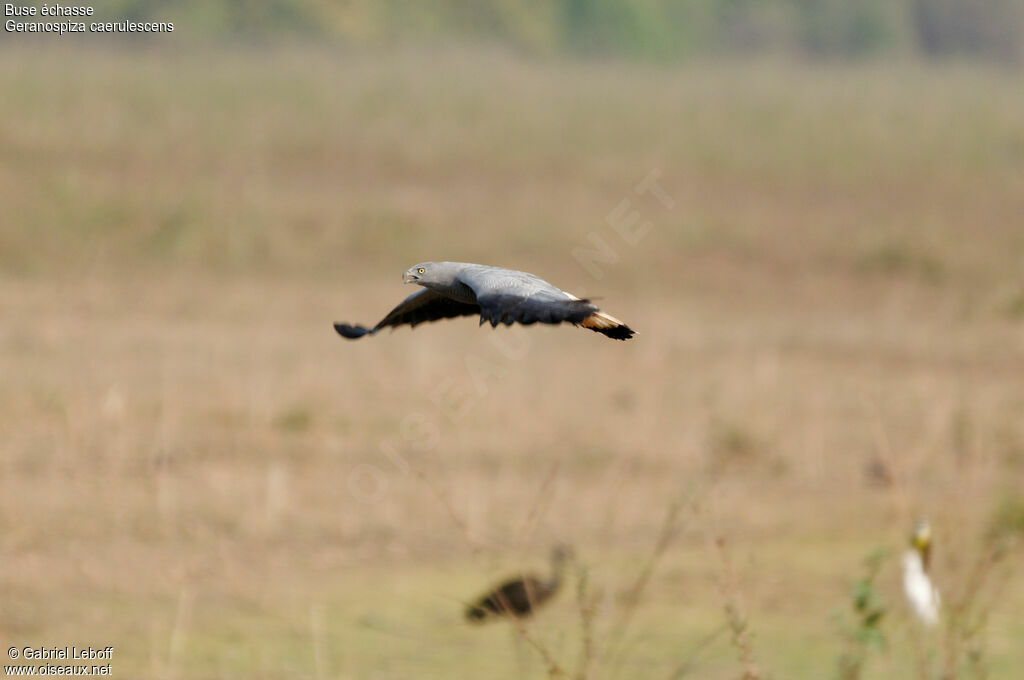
(650, 29)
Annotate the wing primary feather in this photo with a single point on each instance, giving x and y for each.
(420, 307)
(352, 332)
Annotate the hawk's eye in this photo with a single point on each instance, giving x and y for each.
(421, 270)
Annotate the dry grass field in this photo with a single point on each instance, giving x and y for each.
(194, 468)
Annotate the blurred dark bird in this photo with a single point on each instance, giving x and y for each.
(498, 295)
(520, 597)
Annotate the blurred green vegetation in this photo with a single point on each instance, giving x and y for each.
(652, 29)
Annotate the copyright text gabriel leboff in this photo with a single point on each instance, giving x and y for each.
(41, 653)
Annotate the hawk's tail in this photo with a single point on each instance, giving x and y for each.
(600, 322)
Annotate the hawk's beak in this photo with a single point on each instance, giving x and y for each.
(409, 277)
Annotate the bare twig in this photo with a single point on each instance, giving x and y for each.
(686, 664)
(735, 614)
(181, 619)
(539, 507)
(587, 605)
(445, 502)
(553, 668)
(316, 633)
(968, 613)
(631, 599)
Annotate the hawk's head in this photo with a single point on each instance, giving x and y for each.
(423, 273)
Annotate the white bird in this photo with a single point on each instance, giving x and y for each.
(921, 594)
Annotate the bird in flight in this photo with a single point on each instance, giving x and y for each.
(520, 596)
(498, 295)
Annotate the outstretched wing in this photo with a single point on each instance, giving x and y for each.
(423, 305)
(507, 296)
(508, 309)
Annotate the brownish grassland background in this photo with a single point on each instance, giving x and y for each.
(191, 466)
